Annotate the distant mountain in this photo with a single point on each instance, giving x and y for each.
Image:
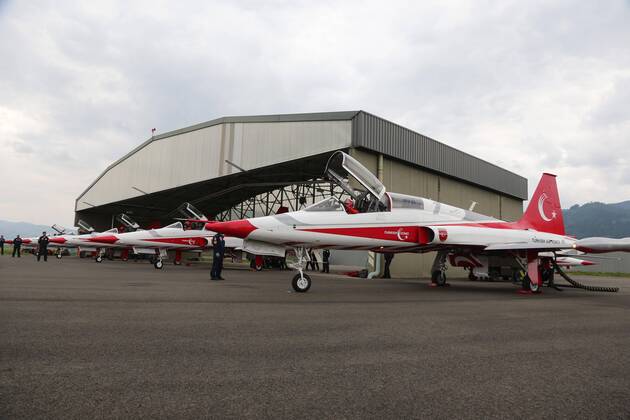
(10, 229)
(598, 219)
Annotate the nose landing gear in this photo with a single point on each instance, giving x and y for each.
(159, 255)
(301, 282)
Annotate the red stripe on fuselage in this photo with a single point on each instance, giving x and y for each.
(191, 241)
(406, 234)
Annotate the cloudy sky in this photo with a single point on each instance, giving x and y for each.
(531, 86)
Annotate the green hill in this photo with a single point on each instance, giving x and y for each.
(598, 219)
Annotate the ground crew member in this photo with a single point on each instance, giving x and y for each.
(218, 252)
(312, 263)
(42, 248)
(389, 256)
(325, 262)
(17, 245)
(2, 244)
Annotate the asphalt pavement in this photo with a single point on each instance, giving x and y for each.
(124, 340)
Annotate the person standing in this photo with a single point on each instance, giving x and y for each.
(312, 261)
(42, 248)
(325, 261)
(218, 252)
(2, 241)
(17, 245)
(389, 256)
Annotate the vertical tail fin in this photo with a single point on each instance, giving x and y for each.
(544, 212)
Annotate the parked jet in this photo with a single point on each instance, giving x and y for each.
(158, 241)
(376, 220)
(90, 242)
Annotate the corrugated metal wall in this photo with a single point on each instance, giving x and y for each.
(385, 137)
(199, 155)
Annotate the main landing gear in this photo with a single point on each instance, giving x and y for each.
(301, 282)
(438, 270)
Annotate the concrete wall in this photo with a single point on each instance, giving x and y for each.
(408, 179)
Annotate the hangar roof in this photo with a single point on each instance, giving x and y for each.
(338, 130)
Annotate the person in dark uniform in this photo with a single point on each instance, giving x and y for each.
(218, 252)
(17, 246)
(389, 256)
(42, 248)
(325, 262)
(312, 263)
(2, 241)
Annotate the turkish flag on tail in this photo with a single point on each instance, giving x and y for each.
(544, 213)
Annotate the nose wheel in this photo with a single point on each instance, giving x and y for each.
(158, 264)
(99, 258)
(301, 283)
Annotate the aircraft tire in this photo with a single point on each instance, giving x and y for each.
(99, 259)
(58, 256)
(301, 285)
(438, 277)
(158, 264)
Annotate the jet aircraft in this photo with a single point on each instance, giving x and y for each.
(380, 221)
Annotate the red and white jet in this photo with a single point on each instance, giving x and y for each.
(381, 221)
(90, 242)
(158, 241)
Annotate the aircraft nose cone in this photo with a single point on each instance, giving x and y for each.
(236, 228)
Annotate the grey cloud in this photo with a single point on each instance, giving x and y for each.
(21, 147)
(523, 84)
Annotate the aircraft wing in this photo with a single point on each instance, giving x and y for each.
(516, 246)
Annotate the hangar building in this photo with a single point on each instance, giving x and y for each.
(240, 166)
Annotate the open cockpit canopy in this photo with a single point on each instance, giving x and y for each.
(84, 227)
(127, 222)
(328, 204)
(176, 225)
(191, 212)
(341, 167)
